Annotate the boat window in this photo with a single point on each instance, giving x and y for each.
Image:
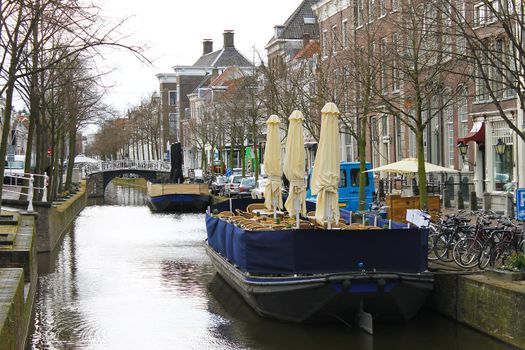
(354, 178)
(342, 178)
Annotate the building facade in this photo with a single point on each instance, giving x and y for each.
(462, 113)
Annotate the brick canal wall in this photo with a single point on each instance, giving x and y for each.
(491, 305)
(18, 281)
(54, 219)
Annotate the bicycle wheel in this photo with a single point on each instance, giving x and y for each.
(466, 252)
(501, 252)
(486, 252)
(433, 235)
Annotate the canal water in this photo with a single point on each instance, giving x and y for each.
(126, 278)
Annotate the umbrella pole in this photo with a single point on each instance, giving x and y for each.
(297, 219)
(275, 208)
(327, 210)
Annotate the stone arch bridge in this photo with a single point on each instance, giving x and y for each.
(99, 175)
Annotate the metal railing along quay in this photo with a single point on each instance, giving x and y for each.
(32, 190)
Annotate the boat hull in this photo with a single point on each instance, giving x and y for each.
(178, 202)
(169, 197)
(328, 297)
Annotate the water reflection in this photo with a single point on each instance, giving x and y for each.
(126, 278)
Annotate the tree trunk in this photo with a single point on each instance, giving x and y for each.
(421, 175)
(255, 167)
(71, 158)
(243, 160)
(5, 134)
(362, 164)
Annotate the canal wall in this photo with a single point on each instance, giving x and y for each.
(54, 219)
(18, 279)
(138, 183)
(487, 303)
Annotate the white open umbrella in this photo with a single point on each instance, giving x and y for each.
(325, 175)
(409, 166)
(294, 166)
(82, 159)
(272, 165)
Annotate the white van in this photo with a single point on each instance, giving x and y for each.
(14, 169)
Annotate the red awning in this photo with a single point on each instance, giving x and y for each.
(477, 134)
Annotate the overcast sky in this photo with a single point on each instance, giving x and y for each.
(173, 32)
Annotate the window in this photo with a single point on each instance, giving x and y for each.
(355, 174)
(503, 165)
(461, 44)
(335, 84)
(399, 137)
(460, 10)
(450, 146)
(479, 15)
(482, 74)
(342, 178)
(382, 4)
(510, 63)
(345, 34)
(324, 43)
(384, 88)
(172, 96)
(498, 68)
(334, 39)
(174, 126)
(384, 125)
(491, 10)
(348, 145)
(395, 5)
(371, 4)
(412, 147)
(463, 113)
(358, 13)
(395, 63)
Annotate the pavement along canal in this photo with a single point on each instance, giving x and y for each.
(126, 278)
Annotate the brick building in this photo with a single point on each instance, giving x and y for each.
(461, 113)
(175, 87)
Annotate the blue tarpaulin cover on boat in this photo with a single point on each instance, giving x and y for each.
(318, 251)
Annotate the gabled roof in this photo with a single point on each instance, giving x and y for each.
(225, 57)
(295, 26)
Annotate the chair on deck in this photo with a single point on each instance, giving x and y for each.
(253, 206)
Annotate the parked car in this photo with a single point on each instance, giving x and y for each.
(231, 188)
(258, 191)
(246, 186)
(217, 185)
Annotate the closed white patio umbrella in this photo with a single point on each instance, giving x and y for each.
(325, 175)
(294, 162)
(272, 165)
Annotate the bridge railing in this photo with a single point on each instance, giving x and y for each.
(157, 165)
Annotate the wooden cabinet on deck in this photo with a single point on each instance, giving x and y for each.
(398, 205)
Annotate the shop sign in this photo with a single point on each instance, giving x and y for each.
(520, 203)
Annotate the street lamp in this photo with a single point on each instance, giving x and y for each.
(463, 149)
(500, 147)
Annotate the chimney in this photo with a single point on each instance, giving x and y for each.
(228, 38)
(207, 46)
(306, 39)
(279, 31)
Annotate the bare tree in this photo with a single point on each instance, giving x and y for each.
(54, 30)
